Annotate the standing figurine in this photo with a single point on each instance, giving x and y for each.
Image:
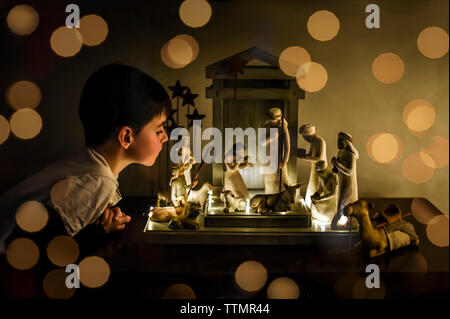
(234, 162)
(317, 152)
(345, 166)
(272, 179)
(324, 200)
(186, 158)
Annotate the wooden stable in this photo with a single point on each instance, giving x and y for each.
(244, 87)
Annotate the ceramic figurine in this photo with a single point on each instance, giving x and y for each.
(324, 200)
(233, 163)
(345, 166)
(391, 233)
(187, 158)
(272, 179)
(200, 196)
(279, 202)
(317, 152)
(232, 203)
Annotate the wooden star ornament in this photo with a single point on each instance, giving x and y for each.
(194, 116)
(188, 98)
(177, 89)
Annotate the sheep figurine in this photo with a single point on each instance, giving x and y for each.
(232, 202)
(200, 196)
(275, 202)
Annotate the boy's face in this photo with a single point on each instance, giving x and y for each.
(148, 143)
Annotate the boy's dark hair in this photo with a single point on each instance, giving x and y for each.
(116, 96)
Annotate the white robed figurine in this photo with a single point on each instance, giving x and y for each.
(324, 200)
(234, 162)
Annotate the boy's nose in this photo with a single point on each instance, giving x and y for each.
(165, 138)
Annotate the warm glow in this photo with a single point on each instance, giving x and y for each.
(66, 42)
(167, 60)
(23, 94)
(22, 19)
(423, 210)
(94, 271)
(323, 25)
(26, 123)
(438, 150)
(388, 68)
(433, 42)
(343, 220)
(4, 129)
(195, 13)
(179, 291)
(437, 230)
(283, 288)
(417, 168)
(62, 251)
(179, 51)
(193, 45)
(360, 290)
(384, 148)
(93, 29)
(292, 58)
(22, 253)
(314, 78)
(419, 116)
(55, 285)
(32, 216)
(251, 276)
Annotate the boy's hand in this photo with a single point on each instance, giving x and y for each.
(114, 219)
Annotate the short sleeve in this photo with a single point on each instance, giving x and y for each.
(80, 200)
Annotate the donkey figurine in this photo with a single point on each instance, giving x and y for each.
(278, 202)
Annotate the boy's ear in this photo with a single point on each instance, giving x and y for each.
(125, 136)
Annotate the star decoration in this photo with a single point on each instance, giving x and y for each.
(170, 122)
(188, 98)
(194, 116)
(237, 66)
(177, 89)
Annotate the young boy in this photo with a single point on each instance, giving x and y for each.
(122, 111)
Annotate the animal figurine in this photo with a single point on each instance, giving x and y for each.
(324, 200)
(391, 233)
(164, 199)
(234, 162)
(200, 196)
(232, 202)
(279, 202)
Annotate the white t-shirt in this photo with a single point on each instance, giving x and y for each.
(79, 188)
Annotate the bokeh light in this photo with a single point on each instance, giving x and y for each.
(423, 210)
(384, 148)
(417, 168)
(23, 94)
(343, 286)
(4, 129)
(26, 123)
(292, 58)
(433, 42)
(314, 78)
(93, 29)
(32, 216)
(66, 42)
(94, 271)
(62, 251)
(388, 68)
(323, 25)
(193, 45)
(360, 290)
(179, 291)
(195, 13)
(22, 253)
(22, 19)
(55, 285)
(251, 276)
(438, 150)
(180, 51)
(437, 230)
(283, 288)
(419, 116)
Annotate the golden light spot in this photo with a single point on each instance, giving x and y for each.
(314, 78)
(360, 290)
(180, 51)
(437, 230)
(94, 271)
(251, 276)
(167, 60)
(23, 94)
(93, 29)
(22, 253)
(62, 251)
(193, 44)
(32, 216)
(22, 19)
(292, 58)
(419, 116)
(433, 42)
(55, 285)
(66, 42)
(438, 150)
(388, 68)
(195, 13)
(415, 168)
(384, 148)
(179, 291)
(423, 210)
(283, 288)
(343, 286)
(4, 129)
(26, 123)
(323, 25)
